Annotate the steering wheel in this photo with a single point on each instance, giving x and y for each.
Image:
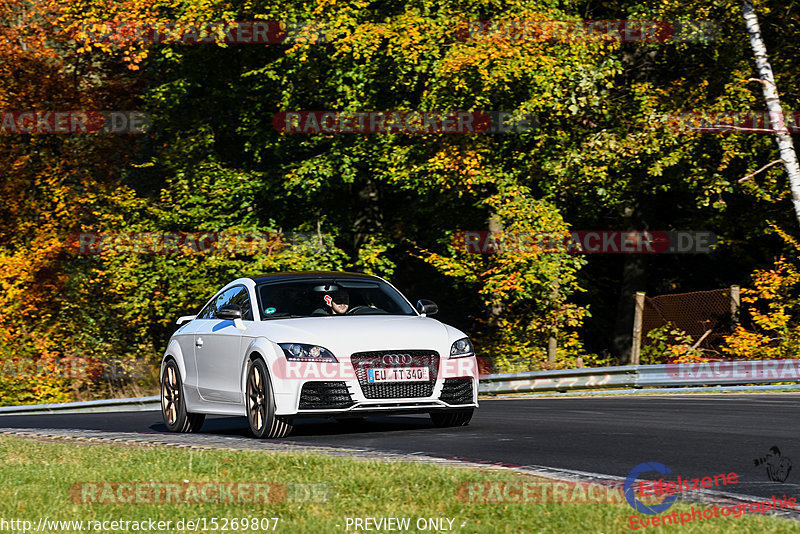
(353, 310)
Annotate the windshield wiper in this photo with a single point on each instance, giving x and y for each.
(283, 316)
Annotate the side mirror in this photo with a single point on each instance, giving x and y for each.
(229, 312)
(185, 319)
(427, 307)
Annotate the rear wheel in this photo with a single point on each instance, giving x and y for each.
(173, 402)
(452, 417)
(261, 405)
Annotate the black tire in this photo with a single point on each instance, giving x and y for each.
(173, 402)
(451, 417)
(261, 404)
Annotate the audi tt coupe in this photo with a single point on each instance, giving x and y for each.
(335, 344)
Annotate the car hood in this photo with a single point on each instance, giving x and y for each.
(346, 335)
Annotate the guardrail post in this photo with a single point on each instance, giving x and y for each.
(637, 328)
(735, 303)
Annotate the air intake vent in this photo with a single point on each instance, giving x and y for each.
(457, 391)
(325, 395)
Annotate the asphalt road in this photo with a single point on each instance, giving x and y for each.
(694, 435)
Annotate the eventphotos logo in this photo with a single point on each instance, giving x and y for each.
(666, 486)
(630, 488)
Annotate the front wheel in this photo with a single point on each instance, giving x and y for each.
(173, 403)
(261, 405)
(451, 418)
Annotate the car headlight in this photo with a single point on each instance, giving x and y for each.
(462, 348)
(300, 352)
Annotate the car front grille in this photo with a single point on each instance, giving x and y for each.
(325, 395)
(457, 391)
(362, 361)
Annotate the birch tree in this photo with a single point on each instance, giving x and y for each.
(782, 136)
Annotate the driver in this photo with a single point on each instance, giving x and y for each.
(337, 303)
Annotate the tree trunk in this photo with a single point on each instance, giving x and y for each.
(784, 139)
(634, 273)
(496, 309)
(633, 280)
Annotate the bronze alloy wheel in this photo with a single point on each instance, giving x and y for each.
(261, 405)
(173, 405)
(170, 396)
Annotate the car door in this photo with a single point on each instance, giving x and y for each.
(217, 347)
(185, 338)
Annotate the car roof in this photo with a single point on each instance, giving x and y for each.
(309, 275)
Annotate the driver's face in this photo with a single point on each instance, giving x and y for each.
(340, 303)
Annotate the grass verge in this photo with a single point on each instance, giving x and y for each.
(315, 493)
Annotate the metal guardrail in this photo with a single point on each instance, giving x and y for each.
(645, 376)
(138, 404)
(562, 380)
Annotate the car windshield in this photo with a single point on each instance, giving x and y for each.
(330, 297)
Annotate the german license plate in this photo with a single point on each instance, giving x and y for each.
(398, 374)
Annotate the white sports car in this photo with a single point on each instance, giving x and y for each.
(334, 344)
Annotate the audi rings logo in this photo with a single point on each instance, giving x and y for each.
(397, 359)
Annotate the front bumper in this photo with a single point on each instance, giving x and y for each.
(338, 398)
(453, 384)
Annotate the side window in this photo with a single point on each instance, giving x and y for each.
(210, 311)
(242, 299)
